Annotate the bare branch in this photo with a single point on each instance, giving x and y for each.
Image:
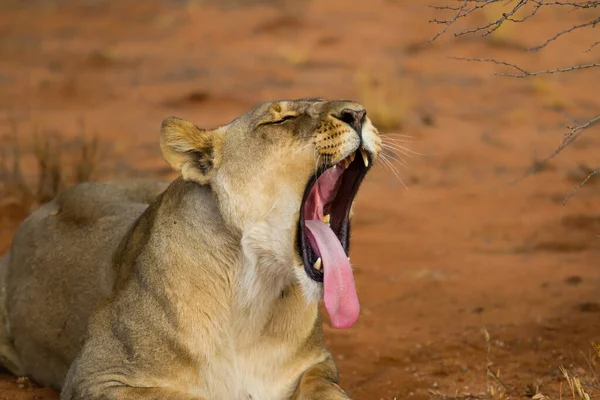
(448, 23)
(561, 33)
(584, 4)
(514, 14)
(489, 28)
(468, 10)
(579, 185)
(536, 7)
(553, 71)
(491, 60)
(471, 6)
(576, 131)
(523, 72)
(569, 138)
(592, 46)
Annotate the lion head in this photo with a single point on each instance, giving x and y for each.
(285, 176)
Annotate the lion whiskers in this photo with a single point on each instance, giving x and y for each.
(304, 147)
(393, 152)
(391, 167)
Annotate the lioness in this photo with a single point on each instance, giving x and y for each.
(205, 288)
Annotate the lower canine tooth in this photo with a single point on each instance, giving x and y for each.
(365, 157)
(318, 263)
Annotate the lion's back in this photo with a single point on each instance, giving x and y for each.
(59, 269)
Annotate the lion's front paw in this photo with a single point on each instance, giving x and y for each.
(332, 392)
(341, 394)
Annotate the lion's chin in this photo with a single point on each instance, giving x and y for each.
(311, 289)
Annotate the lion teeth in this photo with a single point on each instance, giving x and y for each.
(318, 263)
(326, 219)
(365, 157)
(347, 162)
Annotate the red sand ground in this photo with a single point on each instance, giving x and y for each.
(464, 247)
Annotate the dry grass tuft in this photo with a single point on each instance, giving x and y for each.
(583, 384)
(88, 156)
(575, 385)
(13, 188)
(584, 387)
(47, 151)
(495, 388)
(57, 163)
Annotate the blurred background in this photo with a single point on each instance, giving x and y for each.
(475, 280)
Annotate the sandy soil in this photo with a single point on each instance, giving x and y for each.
(468, 245)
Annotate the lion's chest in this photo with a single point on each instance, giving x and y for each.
(256, 375)
(257, 355)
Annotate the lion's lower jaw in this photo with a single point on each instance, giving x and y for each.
(263, 283)
(312, 290)
(269, 265)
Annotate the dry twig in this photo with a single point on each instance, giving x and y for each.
(564, 32)
(523, 72)
(592, 46)
(569, 138)
(469, 7)
(448, 23)
(528, 9)
(579, 185)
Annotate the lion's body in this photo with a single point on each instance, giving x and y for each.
(60, 268)
(192, 290)
(74, 274)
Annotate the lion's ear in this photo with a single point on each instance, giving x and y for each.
(195, 152)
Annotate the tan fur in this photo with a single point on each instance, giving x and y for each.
(189, 290)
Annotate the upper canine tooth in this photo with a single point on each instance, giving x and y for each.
(365, 157)
(318, 263)
(326, 218)
(351, 156)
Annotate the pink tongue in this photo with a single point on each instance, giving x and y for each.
(341, 300)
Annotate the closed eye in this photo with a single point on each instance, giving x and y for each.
(283, 119)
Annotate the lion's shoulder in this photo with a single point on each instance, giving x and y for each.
(90, 201)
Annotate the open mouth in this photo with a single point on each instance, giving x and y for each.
(324, 234)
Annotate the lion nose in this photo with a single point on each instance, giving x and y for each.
(353, 117)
